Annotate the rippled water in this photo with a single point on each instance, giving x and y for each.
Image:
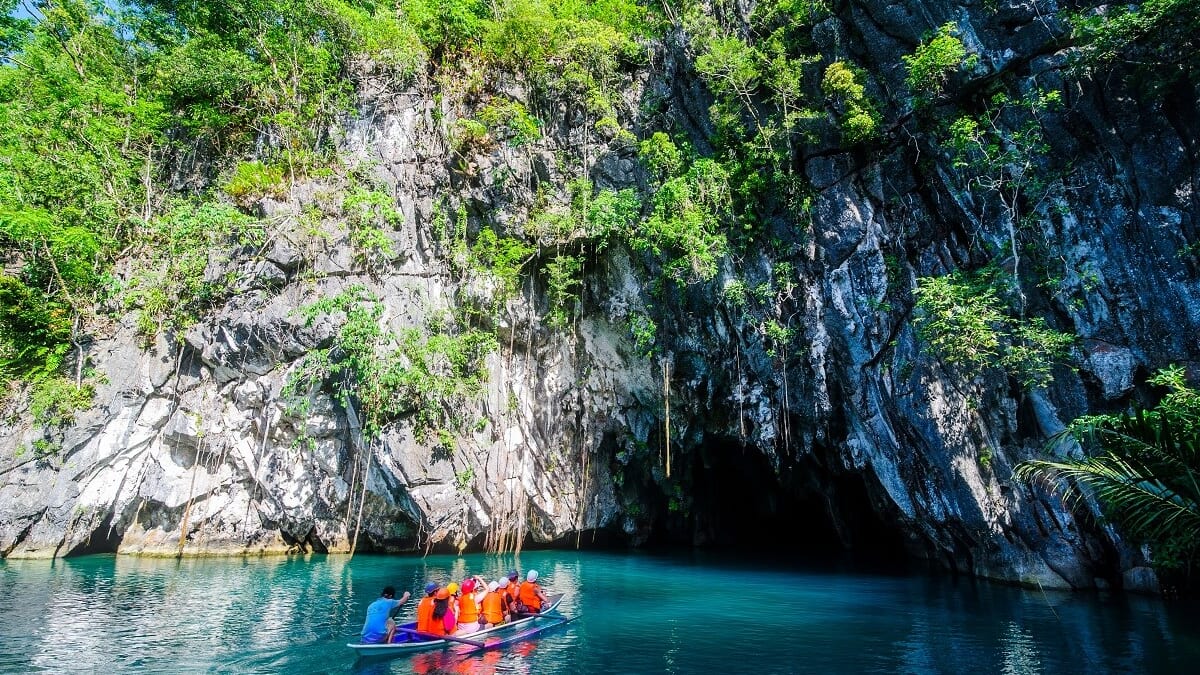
(638, 613)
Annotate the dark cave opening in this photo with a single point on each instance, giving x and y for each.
(104, 539)
(737, 501)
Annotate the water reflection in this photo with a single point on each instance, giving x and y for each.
(639, 614)
(1019, 651)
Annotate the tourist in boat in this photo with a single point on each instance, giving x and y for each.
(530, 597)
(505, 590)
(454, 591)
(425, 608)
(380, 626)
(511, 587)
(494, 608)
(468, 609)
(444, 622)
(508, 590)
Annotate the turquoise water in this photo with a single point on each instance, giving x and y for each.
(638, 613)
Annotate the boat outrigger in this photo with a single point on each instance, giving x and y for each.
(408, 640)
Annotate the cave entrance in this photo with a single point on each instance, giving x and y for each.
(739, 501)
(104, 539)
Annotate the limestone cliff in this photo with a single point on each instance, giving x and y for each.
(851, 434)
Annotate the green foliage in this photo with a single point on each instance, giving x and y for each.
(572, 49)
(463, 480)
(470, 136)
(254, 181)
(510, 121)
(685, 224)
(791, 15)
(777, 58)
(563, 283)
(168, 285)
(1001, 152)
(998, 155)
(858, 118)
(763, 292)
(962, 318)
(1144, 470)
(1032, 351)
(784, 274)
(609, 127)
(372, 30)
(612, 214)
(735, 294)
(34, 330)
(271, 66)
(934, 61)
(77, 126)
(779, 335)
(370, 214)
(502, 258)
(13, 31)
(53, 401)
(96, 97)
(448, 25)
(425, 376)
(661, 155)
(729, 66)
(960, 315)
(44, 448)
(1158, 36)
(595, 217)
(644, 332)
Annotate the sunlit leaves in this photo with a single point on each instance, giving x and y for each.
(965, 321)
(424, 376)
(934, 61)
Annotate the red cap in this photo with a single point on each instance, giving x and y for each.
(468, 585)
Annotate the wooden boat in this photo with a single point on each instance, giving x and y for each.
(404, 642)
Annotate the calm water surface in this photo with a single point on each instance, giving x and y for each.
(638, 613)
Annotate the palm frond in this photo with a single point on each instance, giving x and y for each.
(1142, 505)
(1144, 470)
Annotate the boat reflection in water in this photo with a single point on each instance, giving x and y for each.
(677, 612)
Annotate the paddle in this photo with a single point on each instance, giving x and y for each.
(431, 636)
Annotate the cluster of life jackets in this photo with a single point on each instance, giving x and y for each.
(495, 607)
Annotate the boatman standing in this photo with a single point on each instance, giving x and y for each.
(379, 626)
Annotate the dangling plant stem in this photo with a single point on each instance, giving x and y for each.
(666, 371)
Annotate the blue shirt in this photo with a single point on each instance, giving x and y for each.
(375, 628)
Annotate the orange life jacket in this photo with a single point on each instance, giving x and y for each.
(468, 611)
(493, 607)
(529, 596)
(425, 614)
(436, 626)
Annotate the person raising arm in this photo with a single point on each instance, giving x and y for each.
(379, 626)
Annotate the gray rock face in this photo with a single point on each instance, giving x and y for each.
(194, 447)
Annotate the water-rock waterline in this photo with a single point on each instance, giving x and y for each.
(675, 612)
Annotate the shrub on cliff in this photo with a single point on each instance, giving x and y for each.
(1159, 36)
(1144, 471)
